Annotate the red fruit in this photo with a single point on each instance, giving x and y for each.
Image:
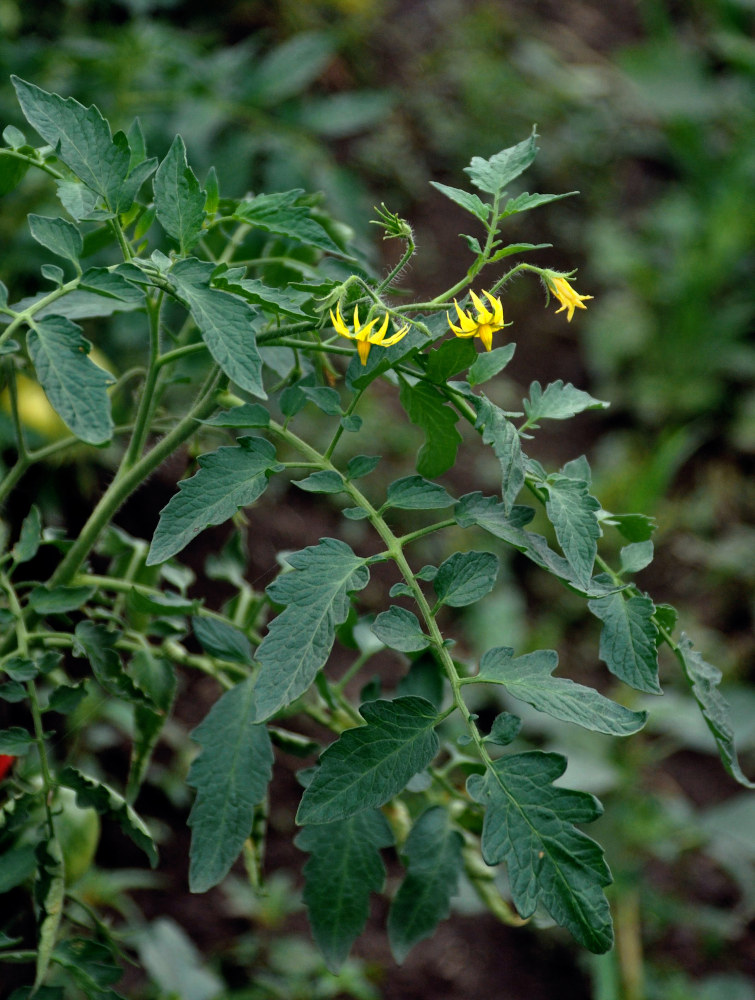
(6, 763)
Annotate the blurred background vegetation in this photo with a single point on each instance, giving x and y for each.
(648, 108)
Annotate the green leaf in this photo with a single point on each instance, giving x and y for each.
(230, 775)
(108, 802)
(427, 408)
(58, 600)
(361, 465)
(528, 824)
(77, 199)
(228, 478)
(97, 643)
(434, 863)
(367, 766)
(226, 322)
(174, 964)
(504, 730)
(528, 678)
(634, 527)
(246, 415)
(100, 293)
(90, 964)
(300, 638)
(494, 174)
(80, 137)
(290, 67)
(342, 114)
(167, 603)
(465, 577)
(57, 235)
(16, 865)
(75, 386)
(425, 679)
(344, 868)
(51, 891)
(279, 213)
(573, 513)
(468, 201)
(501, 434)
(558, 402)
(525, 201)
(29, 538)
(179, 200)
(400, 629)
(636, 556)
(222, 640)
(416, 493)
(512, 248)
(704, 679)
(12, 172)
(15, 742)
(489, 363)
(628, 644)
(451, 357)
(324, 481)
(324, 398)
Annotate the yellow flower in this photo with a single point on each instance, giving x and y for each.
(362, 334)
(485, 325)
(569, 298)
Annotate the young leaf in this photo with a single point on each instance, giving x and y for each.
(489, 363)
(704, 679)
(416, 493)
(434, 862)
(400, 629)
(573, 513)
(81, 138)
(494, 174)
(367, 766)
(529, 825)
(75, 386)
(57, 235)
(428, 409)
(179, 200)
(528, 678)
(344, 868)
(228, 478)
(525, 201)
(108, 802)
(300, 639)
(468, 201)
(501, 434)
(628, 644)
(465, 577)
(230, 775)
(226, 322)
(558, 402)
(222, 640)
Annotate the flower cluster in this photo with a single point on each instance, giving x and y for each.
(363, 334)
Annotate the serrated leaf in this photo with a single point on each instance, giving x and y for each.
(628, 644)
(324, 481)
(220, 639)
(108, 802)
(529, 825)
(75, 386)
(434, 863)
(77, 199)
(512, 248)
(367, 766)
(573, 514)
(501, 434)
(529, 678)
(57, 235)
(469, 202)
(634, 527)
(29, 538)
(226, 322)
(465, 577)
(416, 493)
(558, 402)
(58, 600)
(246, 415)
(704, 680)
(525, 201)
(97, 643)
(80, 137)
(230, 775)
(428, 409)
(279, 213)
(494, 174)
(450, 358)
(179, 200)
(228, 478)
(344, 868)
(300, 638)
(490, 363)
(400, 629)
(51, 889)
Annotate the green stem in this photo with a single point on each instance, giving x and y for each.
(19, 318)
(149, 395)
(393, 274)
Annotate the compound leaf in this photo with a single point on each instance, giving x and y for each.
(344, 868)
(528, 824)
(628, 644)
(229, 478)
(434, 862)
(179, 200)
(231, 775)
(300, 638)
(529, 678)
(367, 766)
